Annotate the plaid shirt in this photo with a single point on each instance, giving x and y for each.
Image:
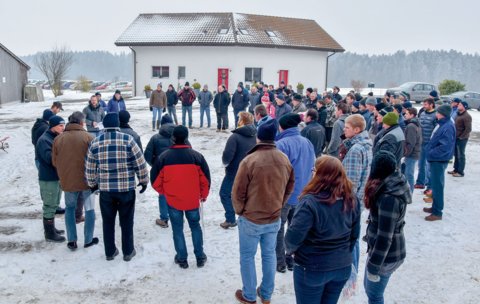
(113, 158)
(357, 161)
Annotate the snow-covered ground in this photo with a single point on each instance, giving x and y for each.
(442, 264)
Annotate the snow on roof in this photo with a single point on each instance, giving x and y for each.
(241, 29)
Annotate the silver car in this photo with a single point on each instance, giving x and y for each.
(417, 91)
(472, 98)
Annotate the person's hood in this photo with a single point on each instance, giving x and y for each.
(166, 130)
(125, 125)
(395, 184)
(247, 131)
(413, 121)
(40, 121)
(361, 139)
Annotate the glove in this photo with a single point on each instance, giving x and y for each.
(164, 110)
(151, 109)
(94, 188)
(144, 187)
(373, 277)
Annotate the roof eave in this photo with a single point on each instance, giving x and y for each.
(15, 56)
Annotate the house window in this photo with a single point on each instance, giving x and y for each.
(271, 34)
(243, 31)
(160, 72)
(181, 72)
(223, 31)
(253, 74)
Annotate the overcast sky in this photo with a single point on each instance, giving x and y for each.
(368, 26)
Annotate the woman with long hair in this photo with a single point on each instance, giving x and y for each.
(386, 196)
(323, 232)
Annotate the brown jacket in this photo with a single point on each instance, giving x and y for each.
(263, 184)
(158, 99)
(68, 156)
(463, 125)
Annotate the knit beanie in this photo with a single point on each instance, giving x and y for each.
(180, 134)
(166, 119)
(384, 164)
(55, 121)
(356, 104)
(47, 113)
(434, 94)
(385, 110)
(371, 101)
(290, 120)
(445, 110)
(111, 121)
(265, 97)
(407, 105)
(380, 106)
(297, 97)
(390, 119)
(267, 131)
(124, 116)
(398, 108)
(465, 104)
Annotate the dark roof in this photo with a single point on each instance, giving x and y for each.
(205, 29)
(14, 56)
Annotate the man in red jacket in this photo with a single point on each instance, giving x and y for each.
(174, 169)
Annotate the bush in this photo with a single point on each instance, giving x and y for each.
(448, 86)
(147, 88)
(300, 86)
(196, 86)
(83, 84)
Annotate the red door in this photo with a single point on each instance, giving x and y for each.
(283, 76)
(223, 77)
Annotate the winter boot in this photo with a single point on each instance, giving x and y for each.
(158, 124)
(50, 234)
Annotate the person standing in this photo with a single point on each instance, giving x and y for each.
(221, 103)
(178, 166)
(68, 157)
(253, 99)
(124, 117)
(116, 104)
(242, 140)
(101, 102)
(298, 106)
(263, 183)
(270, 108)
(158, 144)
(413, 144)
(463, 127)
(56, 107)
(40, 126)
(205, 98)
(391, 137)
(331, 117)
(336, 138)
(454, 103)
(322, 114)
(281, 108)
(260, 114)
(113, 160)
(323, 246)
(239, 102)
(172, 100)
(428, 121)
(314, 131)
(94, 114)
(335, 95)
(50, 190)
(187, 97)
(386, 196)
(440, 150)
(301, 154)
(369, 116)
(158, 102)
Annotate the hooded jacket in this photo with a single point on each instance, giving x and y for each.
(241, 141)
(125, 128)
(43, 153)
(38, 129)
(357, 161)
(93, 114)
(115, 106)
(159, 143)
(172, 98)
(385, 238)
(301, 154)
(315, 133)
(413, 139)
(442, 144)
(392, 140)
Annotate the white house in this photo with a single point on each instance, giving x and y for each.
(226, 48)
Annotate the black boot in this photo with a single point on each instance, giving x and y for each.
(58, 231)
(60, 210)
(50, 234)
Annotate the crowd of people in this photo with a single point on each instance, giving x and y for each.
(299, 171)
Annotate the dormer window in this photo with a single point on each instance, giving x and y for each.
(271, 33)
(223, 31)
(243, 31)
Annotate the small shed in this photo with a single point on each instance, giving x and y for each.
(13, 76)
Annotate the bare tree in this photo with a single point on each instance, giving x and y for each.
(54, 65)
(357, 85)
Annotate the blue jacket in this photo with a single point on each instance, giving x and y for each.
(103, 104)
(240, 100)
(301, 154)
(442, 144)
(205, 98)
(43, 153)
(115, 106)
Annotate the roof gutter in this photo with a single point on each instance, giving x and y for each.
(326, 72)
(134, 93)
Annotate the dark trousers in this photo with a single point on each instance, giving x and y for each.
(286, 215)
(226, 197)
(328, 134)
(222, 121)
(122, 203)
(459, 163)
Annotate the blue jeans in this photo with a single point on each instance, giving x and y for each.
(410, 171)
(226, 197)
(423, 167)
(71, 199)
(193, 218)
(186, 109)
(163, 207)
(206, 110)
(375, 290)
(250, 235)
(157, 113)
(172, 111)
(319, 286)
(437, 182)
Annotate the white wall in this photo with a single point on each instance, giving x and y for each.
(202, 63)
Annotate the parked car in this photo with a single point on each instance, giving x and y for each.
(121, 85)
(103, 86)
(95, 84)
(472, 98)
(417, 91)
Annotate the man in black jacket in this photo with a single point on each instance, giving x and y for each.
(413, 145)
(40, 126)
(124, 118)
(50, 191)
(314, 131)
(391, 137)
(239, 102)
(221, 103)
